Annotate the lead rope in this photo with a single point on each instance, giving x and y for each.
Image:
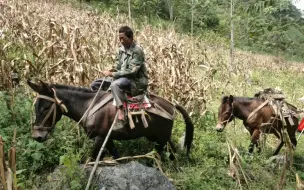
(89, 108)
(300, 135)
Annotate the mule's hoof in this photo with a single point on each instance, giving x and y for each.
(188, 158)
(171, 157)
(293, 147)
(115, 156)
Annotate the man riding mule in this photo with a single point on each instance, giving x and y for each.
(55, 100)
(130, 73)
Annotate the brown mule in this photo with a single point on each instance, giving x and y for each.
(241, 107)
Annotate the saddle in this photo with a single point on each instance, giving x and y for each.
(137, 102)
(276, 100)
(134, 106)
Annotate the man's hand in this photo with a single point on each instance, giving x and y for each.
(112, 70)
(107, 73)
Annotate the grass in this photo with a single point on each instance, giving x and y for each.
(207, 168)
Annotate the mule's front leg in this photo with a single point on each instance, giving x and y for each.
(280, 145)
(254, 140)
(96, 148)
(112, 149)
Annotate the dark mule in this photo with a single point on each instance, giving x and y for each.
(54, 101)
(241, 107)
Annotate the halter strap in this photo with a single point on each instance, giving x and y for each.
(53, 108)
(231, 115)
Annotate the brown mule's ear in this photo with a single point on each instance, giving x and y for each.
(35, 87)
(230, 98)
(224, 98)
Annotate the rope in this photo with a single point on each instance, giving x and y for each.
(89, 108)
(300, 134)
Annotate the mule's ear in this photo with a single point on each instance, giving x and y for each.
(224, 98)
(223, 95)
(45, 89)
(230, 98)
(41, 88)
(35, 87)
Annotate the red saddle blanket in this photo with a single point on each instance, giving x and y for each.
(137, 102)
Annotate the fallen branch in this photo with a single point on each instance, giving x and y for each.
(236, 170)
(151, 155)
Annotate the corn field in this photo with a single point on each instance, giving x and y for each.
(61, 44)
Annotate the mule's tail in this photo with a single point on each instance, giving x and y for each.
(189, 128)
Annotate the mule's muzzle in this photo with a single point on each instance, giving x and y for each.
(40, 139)
(39, 135)
(219, 128)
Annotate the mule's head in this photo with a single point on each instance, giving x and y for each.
(48, 110)
(225, 113)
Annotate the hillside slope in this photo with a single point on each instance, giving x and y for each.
(62, 43)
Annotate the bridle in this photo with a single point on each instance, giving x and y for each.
(53, 110)
(231, 115)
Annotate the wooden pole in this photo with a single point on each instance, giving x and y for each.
(129, 7)
(231, 36)
(99, 153)
(2, 169)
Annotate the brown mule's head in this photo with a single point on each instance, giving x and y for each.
(225, 113)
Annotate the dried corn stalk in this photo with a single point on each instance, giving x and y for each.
(61, 44)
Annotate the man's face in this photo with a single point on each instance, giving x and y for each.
(124, 40)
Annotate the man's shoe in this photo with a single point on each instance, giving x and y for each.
(119, 124)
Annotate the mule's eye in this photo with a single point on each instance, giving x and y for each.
(45, 109)
(226, 114)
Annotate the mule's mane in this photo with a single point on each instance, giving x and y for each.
(241, 99)
(72, 88)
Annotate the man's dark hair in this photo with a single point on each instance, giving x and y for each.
(127, 30)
